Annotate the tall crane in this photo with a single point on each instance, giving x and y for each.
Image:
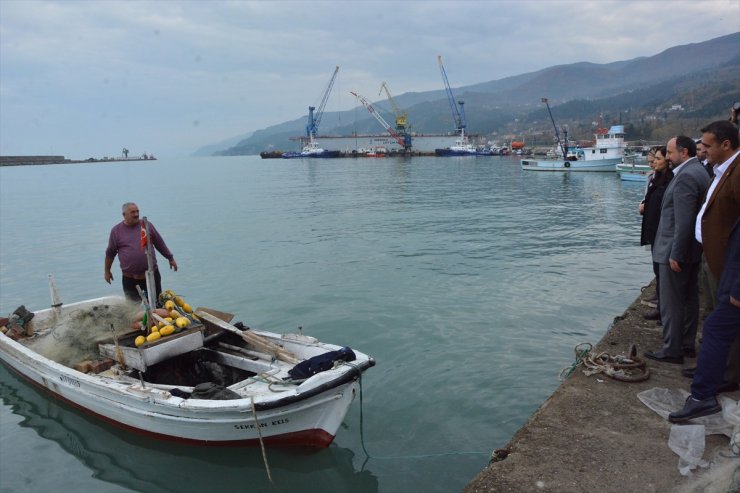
(314, 120)
(401, 116)
(404, 140)
(458, 116)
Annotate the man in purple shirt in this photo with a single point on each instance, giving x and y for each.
(125, 240)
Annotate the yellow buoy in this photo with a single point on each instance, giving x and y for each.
(139, 341)
(182, 322)
(153, 337)
(166, 330)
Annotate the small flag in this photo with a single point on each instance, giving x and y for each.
(143, 236)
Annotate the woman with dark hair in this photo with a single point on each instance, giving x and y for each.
(650, 210)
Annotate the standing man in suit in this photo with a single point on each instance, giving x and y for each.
(720, 329)
(717, 216)
(678, 253)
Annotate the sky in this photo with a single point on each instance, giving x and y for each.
(88, 78)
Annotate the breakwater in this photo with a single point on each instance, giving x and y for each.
(45, 160)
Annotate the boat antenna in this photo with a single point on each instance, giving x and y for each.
(557, 134)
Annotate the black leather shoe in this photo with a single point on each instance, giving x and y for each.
(664, 359)
(695, 409)
(688, 372)
(652, 315)
(689, 353)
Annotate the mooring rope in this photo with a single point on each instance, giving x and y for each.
(262, 443)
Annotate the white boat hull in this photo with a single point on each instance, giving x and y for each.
(308, 414)
(570, 166)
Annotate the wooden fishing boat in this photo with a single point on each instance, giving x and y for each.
(212, 382)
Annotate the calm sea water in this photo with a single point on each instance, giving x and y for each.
(467, 279)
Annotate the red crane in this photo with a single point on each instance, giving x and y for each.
(382, 121)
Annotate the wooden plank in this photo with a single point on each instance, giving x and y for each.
(255, 340)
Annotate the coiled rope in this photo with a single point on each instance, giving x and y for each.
(628, 368)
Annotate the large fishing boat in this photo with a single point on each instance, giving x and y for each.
(606, 153)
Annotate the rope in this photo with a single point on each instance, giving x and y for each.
(581, 351)
(394, 457)
(623, 368)
(262, 443)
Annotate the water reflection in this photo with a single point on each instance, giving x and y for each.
(145, 465)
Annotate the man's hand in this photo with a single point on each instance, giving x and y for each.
(108, 276)
(675, 266)
(173, 265)
(734, 302)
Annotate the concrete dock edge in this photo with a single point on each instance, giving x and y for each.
(594, 434)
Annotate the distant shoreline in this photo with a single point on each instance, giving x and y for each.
(44, 160)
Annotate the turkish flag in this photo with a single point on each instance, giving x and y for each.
(143, 236)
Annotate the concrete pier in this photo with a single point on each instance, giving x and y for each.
(46, 160)
(594, 434)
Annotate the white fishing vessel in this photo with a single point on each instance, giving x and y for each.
(604, 155)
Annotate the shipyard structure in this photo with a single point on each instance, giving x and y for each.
(348, 144)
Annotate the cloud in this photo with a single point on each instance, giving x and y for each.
(89, 77)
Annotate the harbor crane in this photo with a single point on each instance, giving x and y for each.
(401, 116)
(314, 119)
(404, 141)
(457, 115)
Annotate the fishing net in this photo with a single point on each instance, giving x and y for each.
(73, 336)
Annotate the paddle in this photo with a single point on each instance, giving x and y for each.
(255, 340)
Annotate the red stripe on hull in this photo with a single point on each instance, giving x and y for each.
(305, 438)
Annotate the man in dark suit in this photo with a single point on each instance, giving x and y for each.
(720, 329)
(678, 253)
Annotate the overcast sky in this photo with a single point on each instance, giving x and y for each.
(87, 78)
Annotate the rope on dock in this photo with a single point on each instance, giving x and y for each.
(582, 350)
(628, 368)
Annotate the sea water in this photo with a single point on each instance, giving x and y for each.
(469, 280)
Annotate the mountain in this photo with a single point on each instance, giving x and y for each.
(630, 89)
